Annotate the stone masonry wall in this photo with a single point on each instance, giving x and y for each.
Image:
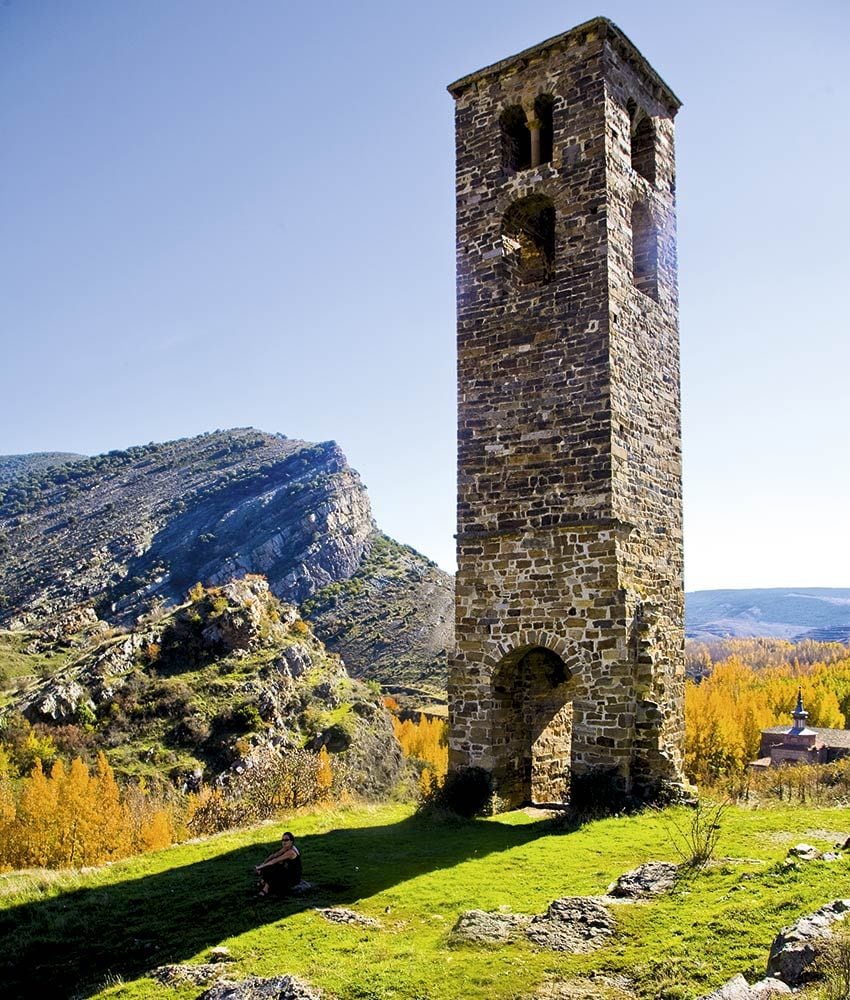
(569, 504)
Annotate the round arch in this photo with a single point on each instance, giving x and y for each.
(532, 690)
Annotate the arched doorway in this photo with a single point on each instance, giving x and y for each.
(532, 727)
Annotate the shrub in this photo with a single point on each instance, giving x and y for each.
(279, 781)
(695, 838)
(467, 792)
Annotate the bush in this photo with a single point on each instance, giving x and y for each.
(467, 792)
(695, 838)
(599, 792)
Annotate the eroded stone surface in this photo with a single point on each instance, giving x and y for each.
(489, 927)
(651, 879)
(257, 988)
(575, 924)
(341, 915)
(737, 988)
(795, 948)
(769, 988)
(197, 974)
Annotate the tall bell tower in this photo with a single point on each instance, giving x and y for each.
(569, 667)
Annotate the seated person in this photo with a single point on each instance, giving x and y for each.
(282, 869)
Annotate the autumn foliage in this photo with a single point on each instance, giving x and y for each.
(74, 816)
(751, 688)
(426, 741)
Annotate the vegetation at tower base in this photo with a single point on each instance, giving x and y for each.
(129, 532)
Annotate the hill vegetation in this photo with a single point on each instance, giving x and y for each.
(129, 532)
(207, 690)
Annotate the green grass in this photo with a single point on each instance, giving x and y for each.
(64, 935)
(17, 665)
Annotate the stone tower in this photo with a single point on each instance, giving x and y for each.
(568, 669)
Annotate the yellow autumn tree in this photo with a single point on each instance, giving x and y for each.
(324, 773)
(426, 741)
(726, 711)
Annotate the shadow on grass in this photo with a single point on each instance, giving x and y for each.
(69, 945)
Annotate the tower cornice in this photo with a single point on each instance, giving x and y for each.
(598, 27)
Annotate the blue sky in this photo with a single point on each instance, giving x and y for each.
(219, 214)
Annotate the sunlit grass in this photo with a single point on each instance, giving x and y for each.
(96, 933)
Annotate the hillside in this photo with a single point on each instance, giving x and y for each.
(15, 466)
(818, 613)
(132, 530)
(397, 602)
(223, 682)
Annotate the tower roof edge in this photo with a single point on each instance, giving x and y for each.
(601, 26)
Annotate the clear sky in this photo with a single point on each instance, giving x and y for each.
(220, 214)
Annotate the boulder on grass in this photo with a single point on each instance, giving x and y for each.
(651, 879)
(738, 989)
(575, 924)
(257, 988)
(488, 927)
(795, 948)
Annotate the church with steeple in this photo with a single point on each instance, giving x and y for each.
(801, 744)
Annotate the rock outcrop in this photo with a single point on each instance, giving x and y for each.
(229, 687)
(795, 948)
(576, 924)
(651, 879)
(256, 988)
(737, 988)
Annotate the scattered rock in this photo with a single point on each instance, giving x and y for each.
(256, 988)
(483, 927)
(651, 879)
(805, 852)
(795, 948)
(199, 974)
(738, 989)
(769, 988)
(574, 924)
(340, 915)
(830, 856)
(220, 954)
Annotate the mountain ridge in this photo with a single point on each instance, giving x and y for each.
(131, 531)
(773, 612)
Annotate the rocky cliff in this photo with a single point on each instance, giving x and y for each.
(131, 531)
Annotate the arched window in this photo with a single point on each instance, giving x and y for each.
(528, 240)
(644, 251)
(516, 138)
(642, 142)
(543, 105)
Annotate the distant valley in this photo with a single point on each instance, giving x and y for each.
(794, 613)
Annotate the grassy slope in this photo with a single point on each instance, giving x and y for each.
(78, 932)
(17, 666)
